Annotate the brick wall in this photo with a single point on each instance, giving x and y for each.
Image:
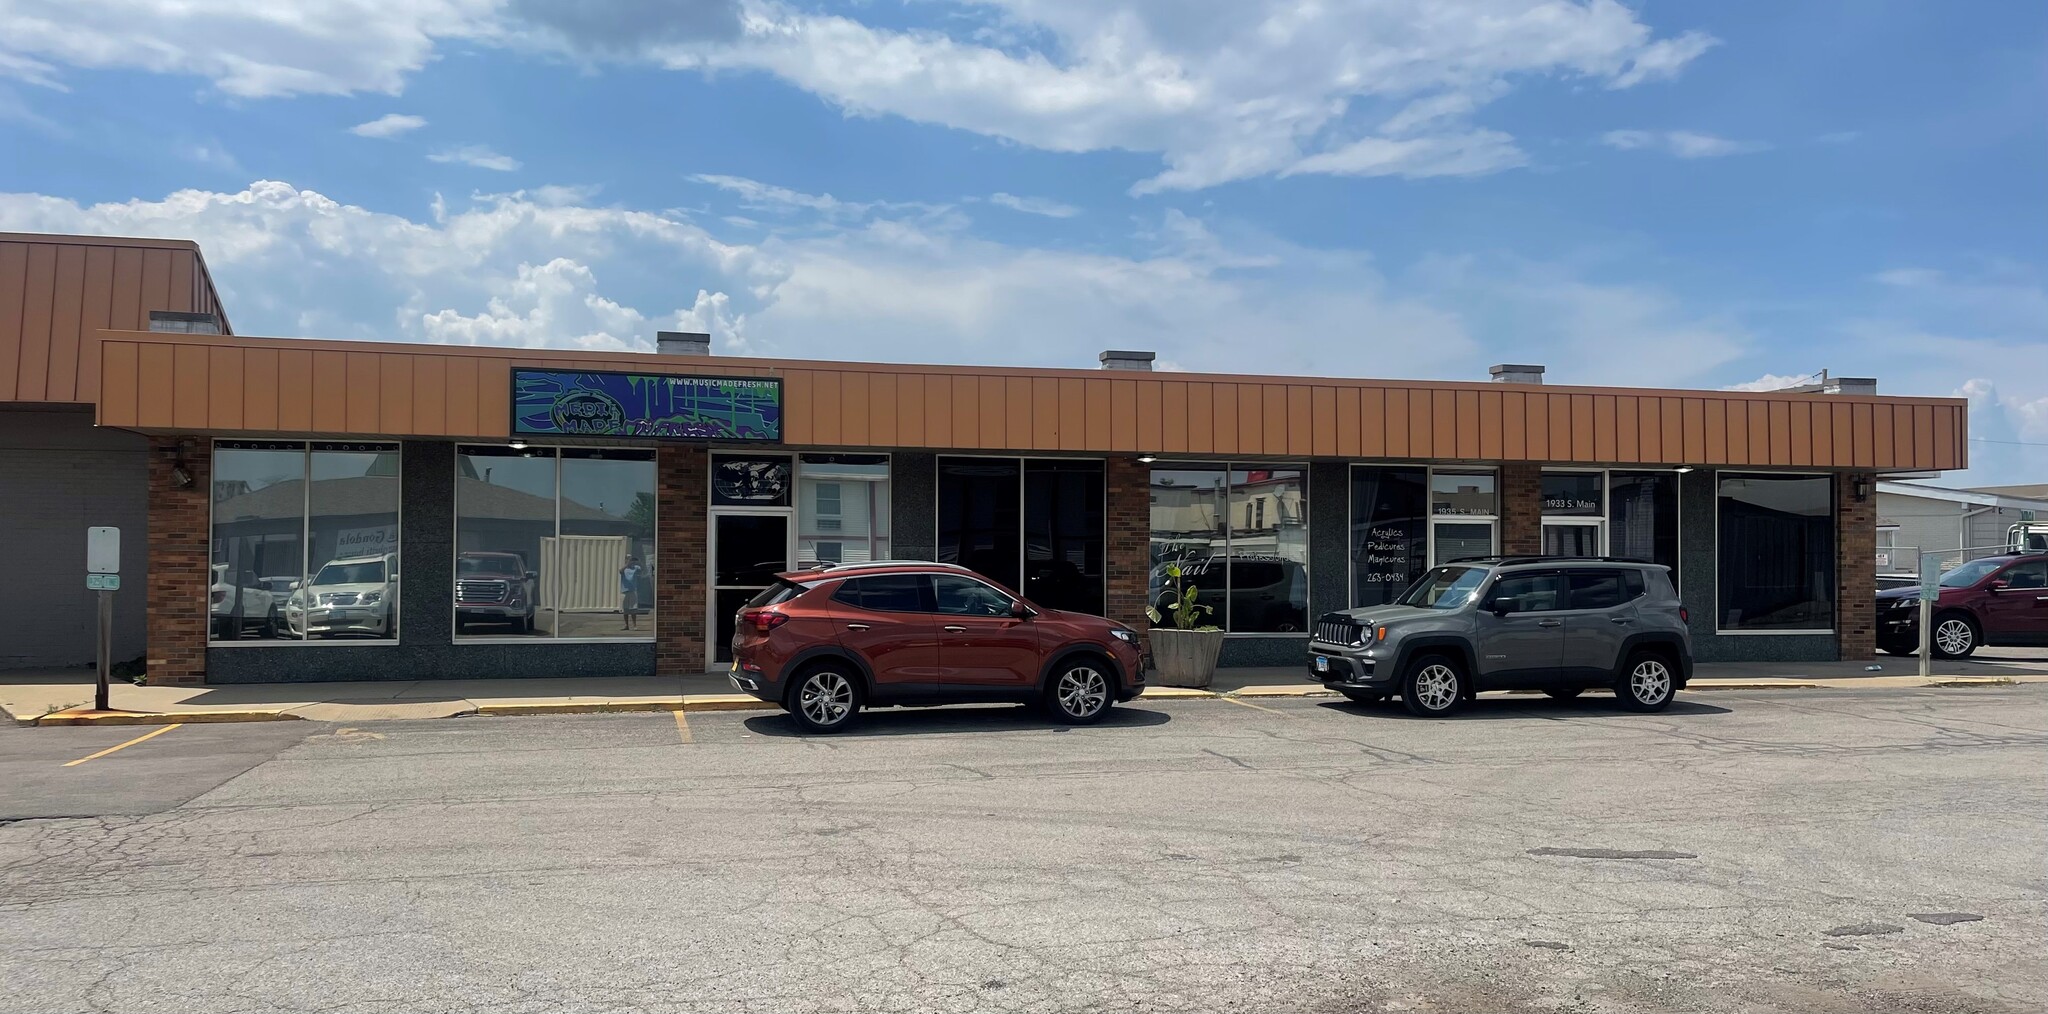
(682, 475)
(1128, 490)
(1855, 568)
(1521, 509)
(178, 554)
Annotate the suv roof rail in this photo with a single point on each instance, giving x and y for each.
(838, 568)
(1517, 561)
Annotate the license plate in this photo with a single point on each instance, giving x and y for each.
(1322, 663)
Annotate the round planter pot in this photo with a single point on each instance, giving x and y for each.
(1185, 658)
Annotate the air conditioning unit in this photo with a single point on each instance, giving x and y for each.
(828, 524)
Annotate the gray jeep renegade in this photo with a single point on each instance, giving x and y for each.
(1554, 624)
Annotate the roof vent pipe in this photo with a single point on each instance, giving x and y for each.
(682, 343)
(1124, 359)
(1516, 373)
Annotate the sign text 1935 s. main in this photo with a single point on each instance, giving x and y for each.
(569, 403)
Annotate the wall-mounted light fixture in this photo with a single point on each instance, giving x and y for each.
(1859, 487)
(181, 473)
(517, 445)
(1146, 459)
(1682, 469)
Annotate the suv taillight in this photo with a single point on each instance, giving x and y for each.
(1684, 615)
(763, 620)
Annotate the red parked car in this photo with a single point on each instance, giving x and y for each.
(1997, 600)
(823, 644)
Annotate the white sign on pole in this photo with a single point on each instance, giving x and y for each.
(102, 550)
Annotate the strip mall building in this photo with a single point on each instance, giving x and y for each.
(318, 510)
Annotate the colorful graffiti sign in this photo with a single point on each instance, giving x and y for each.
(566, 403)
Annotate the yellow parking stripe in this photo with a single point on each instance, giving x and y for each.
(147, 735)
(1257, 707)
(683, 726)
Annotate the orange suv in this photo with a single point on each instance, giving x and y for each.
(825, 643)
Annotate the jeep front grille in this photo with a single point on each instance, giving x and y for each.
(1337, 630)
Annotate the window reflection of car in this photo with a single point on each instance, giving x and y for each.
(235, 607)
(1265, 593)
(357, 596)
(494, 588)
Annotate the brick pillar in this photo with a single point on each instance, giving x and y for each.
(1521, 509)
(1128, 490)
(1855, 569)
(175, 601)
(681, 550)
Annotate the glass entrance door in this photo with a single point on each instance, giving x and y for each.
(747, 551)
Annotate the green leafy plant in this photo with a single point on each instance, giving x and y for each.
(1187, 613)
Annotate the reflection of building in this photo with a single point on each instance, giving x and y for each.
(1072, 484)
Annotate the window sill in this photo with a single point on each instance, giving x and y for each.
(322, 642)
(1772, 633)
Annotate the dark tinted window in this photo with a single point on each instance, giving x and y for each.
(2027, 575)
(980, 516)
(1063, 550)
(1632, 582)
(888, 593)
(1598, 589)
(959, 596)
(1777, 552)
(1247, 575)
(779, 592)
(1529, 593)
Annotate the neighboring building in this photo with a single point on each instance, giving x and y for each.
(1959, 524)
(59, 473)
(531, 494)
(2029, 491)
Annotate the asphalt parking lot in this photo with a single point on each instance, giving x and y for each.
(1821, 851)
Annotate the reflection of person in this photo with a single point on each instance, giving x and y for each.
(629, 590)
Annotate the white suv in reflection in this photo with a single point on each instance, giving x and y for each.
(356, 596)
(236, 607)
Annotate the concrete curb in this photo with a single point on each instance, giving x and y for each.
(76, 717)
(574, 708)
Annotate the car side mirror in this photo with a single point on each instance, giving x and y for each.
(533, 575)
(1019, 610)
(1502, 606)
(2000, 585)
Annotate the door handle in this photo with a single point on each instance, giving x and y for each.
(954, 628)
(856, 626)
(1550, 623)
(2041, 598)
(1619, 619)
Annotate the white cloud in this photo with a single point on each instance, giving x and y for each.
(389, 125)
(1221, 90)
(479, 156)
(1773, 382)
(250, 48)
(546, 268)
(769, 197)
(1045, 206)
(1681, 143)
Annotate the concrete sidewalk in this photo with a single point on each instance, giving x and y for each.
(64, 697)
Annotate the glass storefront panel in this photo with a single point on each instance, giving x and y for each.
(1642, 519)
(1063, 551)
(747, 481)
(1777, 552)
(1463, 540)
(1389, 533)
(1571, 540)
(842, 508)
(504, 517)
(352, 585)
(1190, 527)
(1462, 494)
(259, 525)
(980, 516)
(1268, 551)
(603, 557)
(1574, 494)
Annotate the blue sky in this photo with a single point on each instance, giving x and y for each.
(1698, 195)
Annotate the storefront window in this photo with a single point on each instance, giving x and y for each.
(1642, 522)
(1777, 552)
(1389, 534)
(1240, 536)
(1464, 514)
(843, 508)
(1033, 525)
(554, 543)
(749, 482)
(1574, 513)
(294, 560)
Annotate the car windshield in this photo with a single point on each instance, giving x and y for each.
(368, 572)
(1444, 588)
(1970, 573)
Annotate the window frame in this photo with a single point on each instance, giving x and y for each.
(554, 450)
(1228, 466)
(1430, 518)
(305, 544)
(879, 547)
(1605, 519)
(927, 594)
(1835, 534)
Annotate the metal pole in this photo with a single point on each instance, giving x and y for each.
(106, 649)
(1930, 587)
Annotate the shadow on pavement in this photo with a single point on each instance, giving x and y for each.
(938, 721)
(1535, 709)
